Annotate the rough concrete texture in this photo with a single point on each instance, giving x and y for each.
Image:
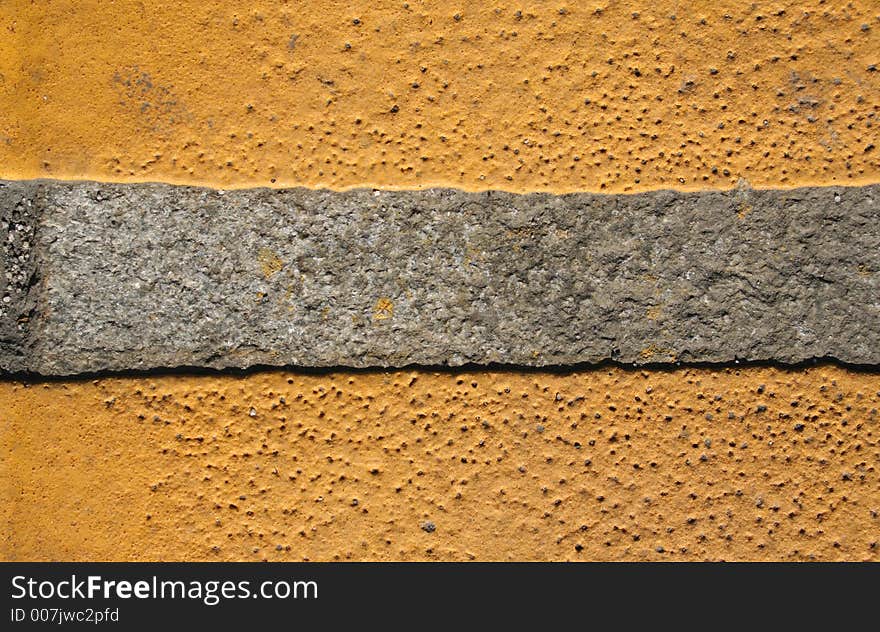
(690, 464)
(532, 95)
(19, 217)
(143, 276)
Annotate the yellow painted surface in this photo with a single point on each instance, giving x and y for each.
(600, 464)
(689, 464)
(602, 95)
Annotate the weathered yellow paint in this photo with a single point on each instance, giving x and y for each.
(594, 464)
(692, 464)
(384, 309)
(610, 96)
(270, 262)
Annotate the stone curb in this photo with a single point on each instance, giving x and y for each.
(140, 276)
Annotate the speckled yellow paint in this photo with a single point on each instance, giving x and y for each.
(609, 464)
(611, 96)
(270, 262)
(384, 309)
(694, 464)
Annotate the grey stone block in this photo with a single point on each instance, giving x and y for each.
(138, 276)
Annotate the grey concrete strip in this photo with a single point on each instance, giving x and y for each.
(135, 276)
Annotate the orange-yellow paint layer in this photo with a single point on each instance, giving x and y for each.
(613, 96)
(691, 464)
(606, 464)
